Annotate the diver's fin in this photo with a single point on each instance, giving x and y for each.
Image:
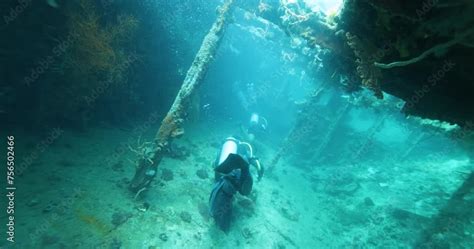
(220, 203)
(217, 187)
(246, 184)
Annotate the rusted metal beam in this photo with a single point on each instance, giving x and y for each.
(171, 126)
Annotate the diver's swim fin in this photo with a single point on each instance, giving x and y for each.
(220, 203)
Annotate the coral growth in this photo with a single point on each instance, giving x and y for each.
(97, 48)
(366, 70)
(169, 128)
(92, 61)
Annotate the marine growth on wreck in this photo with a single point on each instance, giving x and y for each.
(237, 124)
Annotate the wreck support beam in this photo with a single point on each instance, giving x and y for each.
(330, 133)
(171, 125)
(302, 128)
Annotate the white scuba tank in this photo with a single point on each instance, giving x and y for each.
(254, 119)
(230, 146)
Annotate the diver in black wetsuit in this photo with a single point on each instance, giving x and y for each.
(232, 173)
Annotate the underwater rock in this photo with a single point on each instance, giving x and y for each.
(377, 219)
(290, 215)
(202, 173)
(119, 218)
(185, 216)
(350, 188)
(342, 184)
(198, 236)
(248, 207)
(352, 216)
(163, 237)
(115, 244)
(183, 174)
(143, 207)
(400, 214)
(32, 203)
(49, 207)
(247, 233)
(178, 152)
(368, 202)
(123, 183)
(48, 240)
(166, 174)
(118, 167)
(246, 203)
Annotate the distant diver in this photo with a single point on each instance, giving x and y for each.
(232, 174)
(256, 126)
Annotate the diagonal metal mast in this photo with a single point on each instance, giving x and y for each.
(171, 125)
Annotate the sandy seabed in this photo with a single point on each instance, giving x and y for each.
(75, 196)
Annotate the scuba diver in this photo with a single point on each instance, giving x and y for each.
(232, 175)
(256, 127)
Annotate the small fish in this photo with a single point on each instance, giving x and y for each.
(234, 50)
(206, 109)
(53, 3)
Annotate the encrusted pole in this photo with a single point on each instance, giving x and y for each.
(171, 125)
